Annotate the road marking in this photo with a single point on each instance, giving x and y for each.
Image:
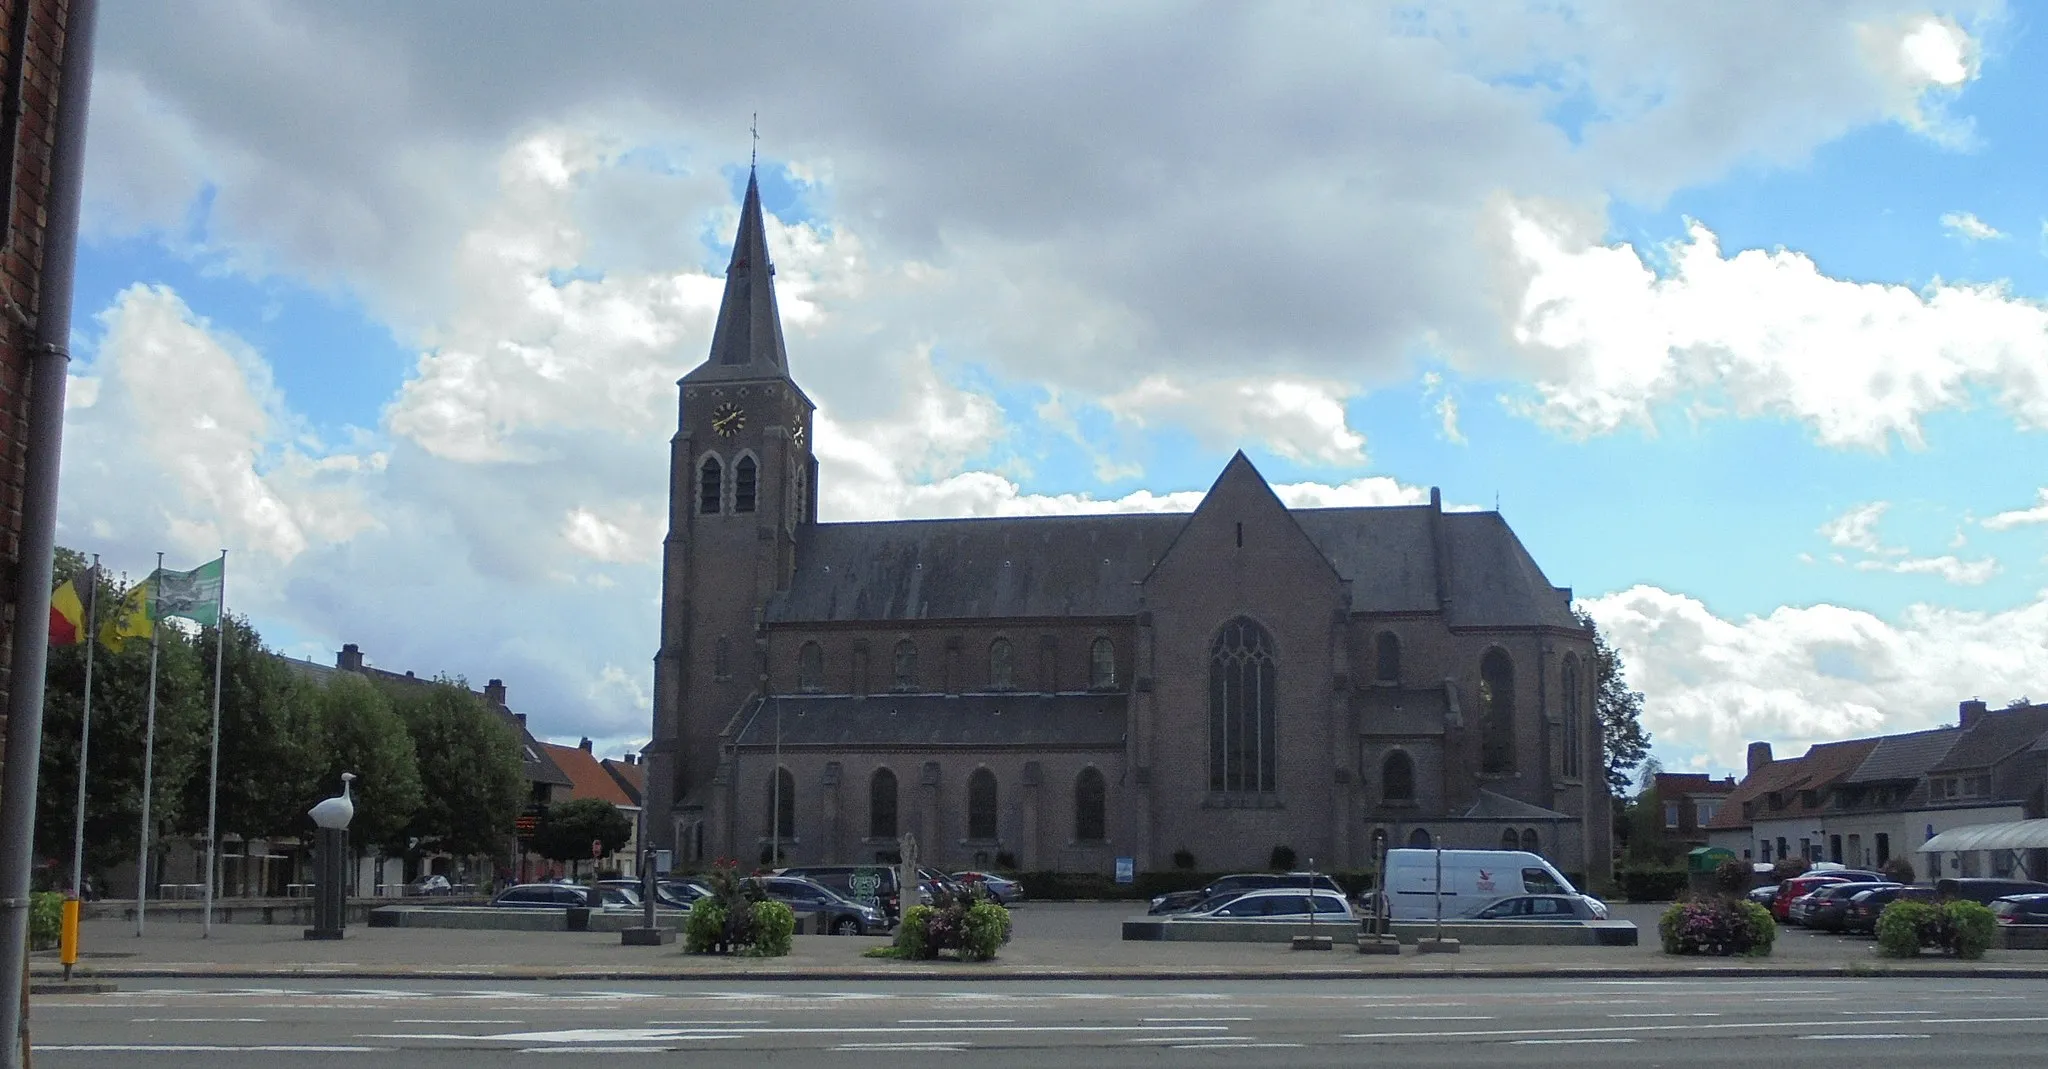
(1601, 1028)
(210, 1048)
(456, 1020)
(1880, 1013)
(947, 1048)
(1555, 1042)
(1872, 1035)
(585, 1036)
(1632, 1015)
(198, 1020)
(650, 1024)
(1231, 1046)
(973, 1020)
(1444, 1017)
(1189, 1020)
(600, 1050)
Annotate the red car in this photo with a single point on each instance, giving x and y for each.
(1781, 906)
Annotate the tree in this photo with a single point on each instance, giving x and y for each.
(472, 757)
(567, 829)
(271, 749)
(1623, 742)
(362, 735)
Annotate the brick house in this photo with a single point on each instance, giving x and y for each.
(1686, 801)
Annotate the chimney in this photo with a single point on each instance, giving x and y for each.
(494, 691)
(350, 659)
(584, 745)
(1440, 547)
(1968, 712)
(1759, 755)
(632, 758)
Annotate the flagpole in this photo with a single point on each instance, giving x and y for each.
(220, 645)
(148, 751)
(92, 605)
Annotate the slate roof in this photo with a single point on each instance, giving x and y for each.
(1492, 806)
(746, 342)
(928, 721)
(1997, 735)
(1824, 765)
(1051, 566)
(1905, 757)
(587, 778)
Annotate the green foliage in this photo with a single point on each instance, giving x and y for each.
(774, 930)
(1900, 927)
(704, 927)
(913, 934)
(1959, 928)
(567, 829)
(1652, 885)
(1898, 870)
(983, 931)
(45, 919)
(1281, 859)
(266, 724)
(892, 951)
(472, 757)
(1733, 876)
(971, 925)
(1623, 742)
(364, 736)
(1719, 926)
(1970, 929)
(1788, 868)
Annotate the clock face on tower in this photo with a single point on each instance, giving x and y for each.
(728, 418)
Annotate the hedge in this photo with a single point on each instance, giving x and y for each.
(1652, 885)
(1964, 929)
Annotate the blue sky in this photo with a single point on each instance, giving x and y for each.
(418, 343)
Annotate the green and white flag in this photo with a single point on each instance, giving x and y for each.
(194, 595)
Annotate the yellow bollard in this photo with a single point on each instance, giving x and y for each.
(67, 940)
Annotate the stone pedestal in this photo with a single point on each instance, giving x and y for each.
(647, 937)
(1378, 944)
(330, 884)
(1311, 942)
(1436, 946)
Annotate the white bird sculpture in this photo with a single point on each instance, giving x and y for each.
(336, 812)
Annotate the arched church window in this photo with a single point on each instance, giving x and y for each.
(981, 805)
(710, 486)
(1510, 840)
(1397, 778)
(882, 804)
(780, 816)
(1387, 658)
(1242, 686)
(745, 485)
(1101, 664)
(1419, 839)
(1496, 712)
(1091, 805)
(1002, 665)
(906, 665)
(810, 668)
(1570, 740)
(1530, 842)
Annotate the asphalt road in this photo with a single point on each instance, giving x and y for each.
(1632, 1023)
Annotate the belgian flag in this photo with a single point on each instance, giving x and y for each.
(67, 615)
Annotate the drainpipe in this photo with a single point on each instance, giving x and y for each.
(50, 359)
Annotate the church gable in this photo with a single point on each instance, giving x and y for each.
(1242, 534)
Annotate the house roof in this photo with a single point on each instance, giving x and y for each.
(1757, 784)
(1090, 721)
(1905, 757)
(1822, 766)
(1692, 783)
(587, 778)
(631, 777)
(1995, 736)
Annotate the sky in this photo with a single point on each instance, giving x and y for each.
(1738, 312)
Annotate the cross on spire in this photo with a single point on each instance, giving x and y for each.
(754, 159)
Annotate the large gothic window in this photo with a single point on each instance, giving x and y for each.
(745, 485)
(981, 805)
(1241, 692)
(906, 665)
(882, 804)
(779, 816)
(1002, 665)
(1397, 778)
(1571, 740)
(810, 668)
(1387, 658)
(1091, 805)
(1101, 664)
(710, 486)
(1496, 712)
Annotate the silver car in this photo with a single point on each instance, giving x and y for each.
(1277, 905)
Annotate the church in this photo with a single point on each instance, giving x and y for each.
(1058, 693)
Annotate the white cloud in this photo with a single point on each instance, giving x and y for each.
(1760, 334)
(1948, 567)
(1968, 226)
(1811, 674)
(2020, 517)
(1302, 421)
(1446, 407)
(1857, 528)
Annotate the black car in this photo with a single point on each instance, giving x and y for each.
(1181, 901)
(841, 916)
(1860, 918)
(1984, 890)
(870, 885)
(1828, 909)
(561, 896)
(668, 894)
(2021, 909)
(1763, 896)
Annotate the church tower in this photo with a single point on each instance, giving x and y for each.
(742, 486)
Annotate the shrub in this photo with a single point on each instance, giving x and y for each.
(704, 927)
(972, 925)
(913, 935)
(1733, 876)
(1900, 926)
(774, 930)
(1788, 867)
(45, 919)
(1282, 859)
(1971, 928)
(1963, 929)
(983, 931)
(1652, 885)
(1184, 859)
(1898, 870)
(1720, 926)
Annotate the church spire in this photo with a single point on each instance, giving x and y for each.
(747, 342)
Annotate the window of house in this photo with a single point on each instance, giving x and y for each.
(1242, 686)
(1496, 712)
(1978, 786)
(710, 486)
(906, 665)
(1397, 778)
(1883, 846)
(1571, 742)
(810, 668)
(1090, 807)
(1101, 664)
(745, 484)
(1002, 665)
(1765, 846)
(778, 817)
(1386, 656)
(1671, 814)
(981, 805)
(882, 804)
(1704, 811)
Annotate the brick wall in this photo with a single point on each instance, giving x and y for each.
(21, 276)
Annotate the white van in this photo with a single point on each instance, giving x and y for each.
(1473, 879)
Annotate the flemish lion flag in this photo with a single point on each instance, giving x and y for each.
(194, 595)
(67, 616)
(130, 618)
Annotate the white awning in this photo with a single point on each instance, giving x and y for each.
(2011, 835)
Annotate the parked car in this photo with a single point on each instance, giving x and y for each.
(1471, 879)
(2021, 909)
(560, 896)
(665, 897)
(1985, 890)
(1866, 906)
(1798, 887)
(1004, 890)
(680, 894)
(1551, 909)
(1274, 905)
(1828, 907)
(871, 885)
(842, 916)
(1762, 896)
(1184, 901)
